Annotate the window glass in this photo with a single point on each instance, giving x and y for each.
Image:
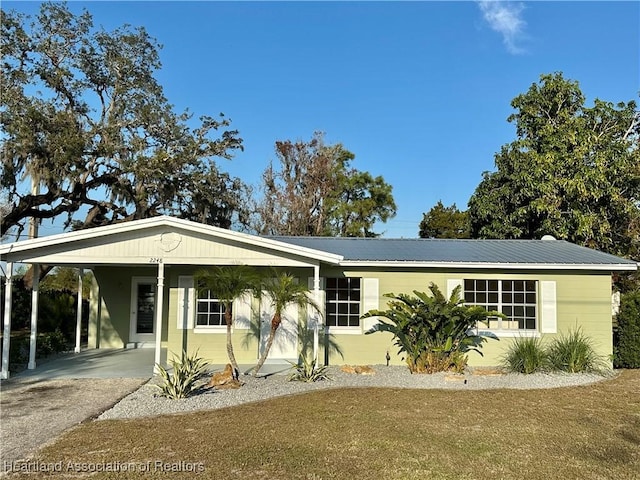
(342, 307)
(516, 299)
(210, 312)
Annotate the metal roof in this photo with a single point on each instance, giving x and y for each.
(552, 254)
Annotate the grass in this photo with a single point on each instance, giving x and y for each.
(583, 432)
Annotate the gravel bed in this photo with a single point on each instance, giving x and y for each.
(146, 402)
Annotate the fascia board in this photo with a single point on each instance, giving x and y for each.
(497, 266)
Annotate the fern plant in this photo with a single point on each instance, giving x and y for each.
(182, 383)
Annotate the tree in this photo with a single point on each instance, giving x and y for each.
(281, 289)
(626, 351)
(316, 192)
(573, 172)
(228, 283)
(85, 119)
(434, 332)
(444, 222)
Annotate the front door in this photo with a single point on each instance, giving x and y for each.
(143, 311)
(285, 343)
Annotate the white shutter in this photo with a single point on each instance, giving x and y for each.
(242, 309)
(370, 301)
(548, 320)
(452, 283)
(311, 312)
(186, 302)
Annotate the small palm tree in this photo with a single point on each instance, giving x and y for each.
(282, 290)
(228, 283)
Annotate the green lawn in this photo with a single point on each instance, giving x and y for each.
(589, 432)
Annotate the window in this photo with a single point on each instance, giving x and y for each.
(210, 311)
(342, 308)
(517, 299)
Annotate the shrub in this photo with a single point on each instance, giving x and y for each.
(526, 355)
(186, 372)
(51, 343)
(574, 353)
(433, 331)
(626, 352)
(307, 371)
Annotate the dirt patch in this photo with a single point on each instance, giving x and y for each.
(35, 412)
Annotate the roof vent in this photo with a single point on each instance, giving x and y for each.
(548, 237)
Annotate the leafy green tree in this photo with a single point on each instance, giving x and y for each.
(434, 332)
(228, 283)
(65, 279)
(445, 222)
(626, 352)
(280, 290)
(85, 119)
(316, 192)
(573, 172)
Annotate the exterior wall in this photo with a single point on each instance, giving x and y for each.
(583, 299)
(110, 307)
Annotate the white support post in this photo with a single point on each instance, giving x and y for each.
(34, 316)
(79, 312)
(6, 335)
(159, 302)
(316, 297)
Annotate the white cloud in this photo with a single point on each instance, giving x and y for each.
(506, 19)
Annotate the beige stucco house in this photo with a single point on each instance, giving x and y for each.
(144, 293)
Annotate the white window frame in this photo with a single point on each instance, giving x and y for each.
(499, 331)
(343, 329)
(222, 328)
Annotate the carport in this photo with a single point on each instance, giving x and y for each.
(139, 258)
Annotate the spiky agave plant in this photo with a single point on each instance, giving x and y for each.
(182, 383)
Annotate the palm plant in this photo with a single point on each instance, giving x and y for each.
(434, 332)
(227, 283)
(281, 290)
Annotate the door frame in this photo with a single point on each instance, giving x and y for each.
(142, 339)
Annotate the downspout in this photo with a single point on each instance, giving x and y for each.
(6, 338)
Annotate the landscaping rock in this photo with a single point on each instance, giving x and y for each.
(358, 369)
(222, 378)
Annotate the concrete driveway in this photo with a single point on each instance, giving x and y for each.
(36, 406)
(107, 363)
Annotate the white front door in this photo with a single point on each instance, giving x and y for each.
(143, 311)
(285, 343)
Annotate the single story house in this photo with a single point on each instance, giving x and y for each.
(144, 293)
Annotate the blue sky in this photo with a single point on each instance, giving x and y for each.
(418, 91)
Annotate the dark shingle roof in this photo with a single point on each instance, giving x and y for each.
(520, 252)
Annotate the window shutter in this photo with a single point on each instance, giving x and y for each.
(242, 309)
(452, 283)
(186, 300)
(370, 301)
(548, 320)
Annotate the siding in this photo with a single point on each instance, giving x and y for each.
(583, 299)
